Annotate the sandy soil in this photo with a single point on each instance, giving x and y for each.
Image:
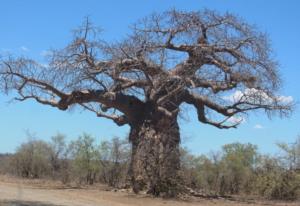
(52, 193)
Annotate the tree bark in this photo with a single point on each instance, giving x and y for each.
(155, 160)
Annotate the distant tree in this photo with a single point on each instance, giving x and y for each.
(85, 159)
(219, 64)
(32, 159)
(58, 146)
(4, 163)
(199, 172)
(188, 167)
(292, 154)
(276, 181)
(59, 158)
(114, 158)
(246, 153)
(238, 163)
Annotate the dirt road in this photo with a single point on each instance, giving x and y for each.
(25, 191)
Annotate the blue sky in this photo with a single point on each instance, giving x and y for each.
(31, 27)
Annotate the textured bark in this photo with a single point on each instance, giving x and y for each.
(155, 159)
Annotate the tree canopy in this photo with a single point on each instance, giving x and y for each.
(218, 63)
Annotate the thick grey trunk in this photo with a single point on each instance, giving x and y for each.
(155, 159)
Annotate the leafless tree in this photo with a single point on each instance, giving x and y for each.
(114, 159)
(217, 63)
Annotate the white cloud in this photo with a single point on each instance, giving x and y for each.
(258, 126)
(24, 48)
(285, 99)
(254, 95)
(235, 97)
(236, 119)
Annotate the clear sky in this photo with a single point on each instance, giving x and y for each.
(31, 27)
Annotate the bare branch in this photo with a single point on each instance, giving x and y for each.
(119, 120)
(169, 59)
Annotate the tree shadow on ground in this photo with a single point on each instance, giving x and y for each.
(24, 203)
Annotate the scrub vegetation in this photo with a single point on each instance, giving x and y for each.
(237, 169)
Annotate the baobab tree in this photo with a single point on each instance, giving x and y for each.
(217, 63)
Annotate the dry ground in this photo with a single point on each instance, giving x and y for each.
(51, 193)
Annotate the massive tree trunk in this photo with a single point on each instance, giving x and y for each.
(155, 159)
